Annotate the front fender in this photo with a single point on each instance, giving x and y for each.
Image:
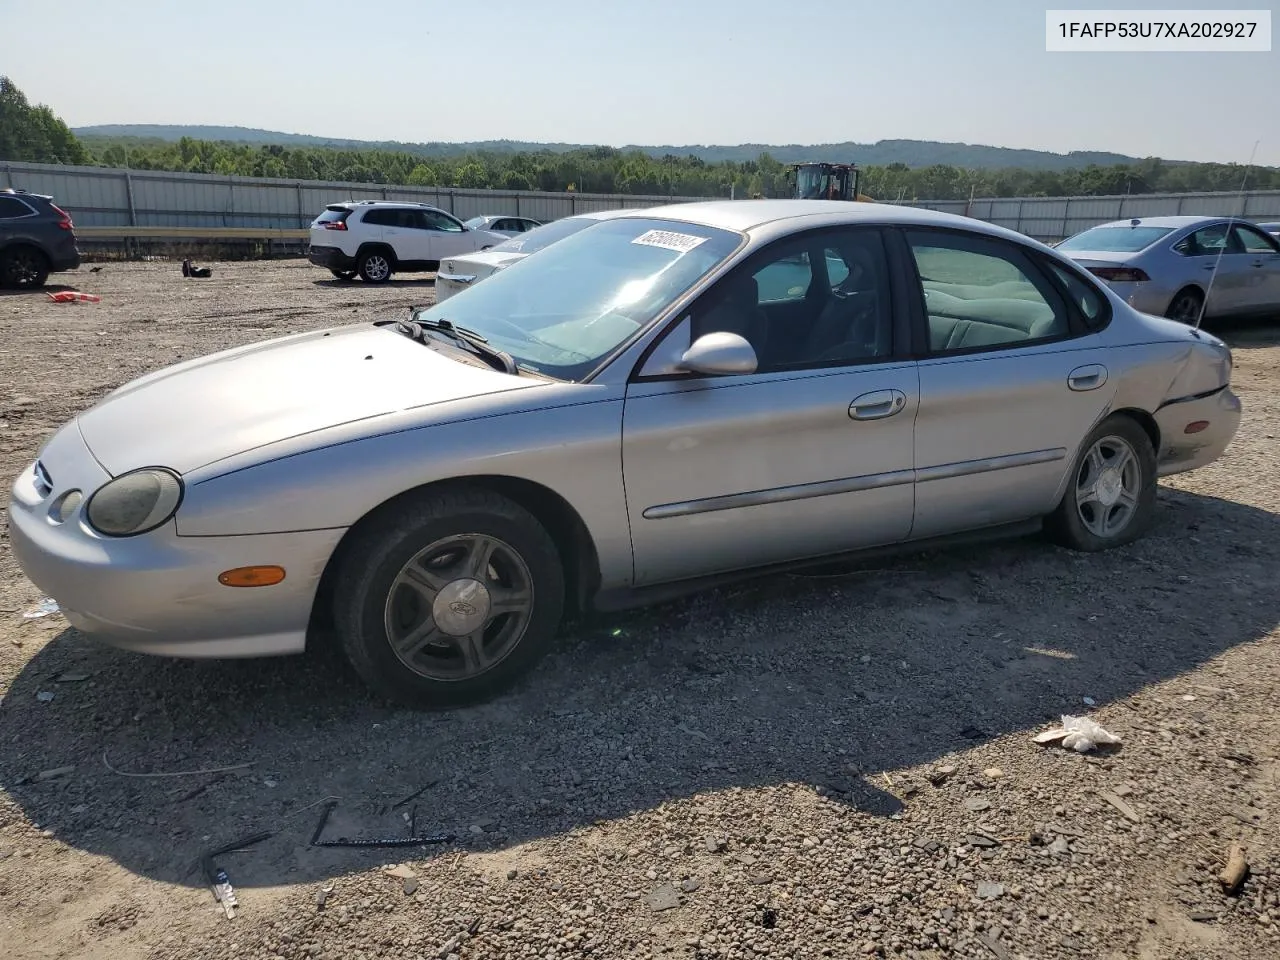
(574, 451)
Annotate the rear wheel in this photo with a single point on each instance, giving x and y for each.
(23, 268)
(374, 267)
(1111, 497)
(343, 274)
(1185, 306)
(450, 599)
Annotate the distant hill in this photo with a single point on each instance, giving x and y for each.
(913, 153)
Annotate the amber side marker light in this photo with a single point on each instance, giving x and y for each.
(1195, 426)
(251, 576)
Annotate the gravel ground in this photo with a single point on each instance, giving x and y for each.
(819, 766)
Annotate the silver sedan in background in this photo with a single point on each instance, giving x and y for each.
(466, 270)
(662, 401)
(1184, 268)
(509, 226)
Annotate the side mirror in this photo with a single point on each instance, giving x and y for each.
(719, 353)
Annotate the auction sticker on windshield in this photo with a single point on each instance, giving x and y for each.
(669, 240)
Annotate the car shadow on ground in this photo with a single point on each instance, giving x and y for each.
(826, 680)
(393, 282)
(36, 291)
(1247, 334)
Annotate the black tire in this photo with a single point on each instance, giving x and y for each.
(375, 266)
(343, 274)
(23, 268)
(1076, 521)
(370, 584)
(1185, 306)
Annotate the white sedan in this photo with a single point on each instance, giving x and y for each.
(458, 273)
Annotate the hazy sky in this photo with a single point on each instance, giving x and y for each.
(626, 71)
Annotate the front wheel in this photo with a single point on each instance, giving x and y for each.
(449, 599)
(1111, 496)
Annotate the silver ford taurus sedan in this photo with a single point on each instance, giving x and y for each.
(660, 402)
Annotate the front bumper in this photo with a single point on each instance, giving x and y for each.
(331, 257)
(1181, 451)
(159, 593)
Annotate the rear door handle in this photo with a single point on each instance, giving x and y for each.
(878, 404)
(1089, 377)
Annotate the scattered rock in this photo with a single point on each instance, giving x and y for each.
(994, 773)
(940, 775)
(410, 886)
(981, 840)
(1059, 846)
(1124, 808)
(690, 885)
(715, 845)
(989, 891)
(402, 871)
(977, 804)
(663, 898)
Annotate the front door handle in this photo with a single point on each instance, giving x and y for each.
(1089, 377)
(878, 404)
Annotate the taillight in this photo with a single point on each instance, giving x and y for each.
(64, 218)
(1119, 274)
(334, 225)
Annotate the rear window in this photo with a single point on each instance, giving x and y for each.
(534, 240)
(334, 215)
(1115, 239)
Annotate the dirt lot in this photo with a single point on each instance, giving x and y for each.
(829, 766)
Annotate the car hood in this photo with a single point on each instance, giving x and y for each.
(210, 408)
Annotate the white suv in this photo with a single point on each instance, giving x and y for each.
(376, 238)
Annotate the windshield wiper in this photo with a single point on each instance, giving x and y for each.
(498, 359)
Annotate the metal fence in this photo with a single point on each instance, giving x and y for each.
(102, 197)
(1054, 218)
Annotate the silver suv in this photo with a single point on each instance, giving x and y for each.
(376, 238)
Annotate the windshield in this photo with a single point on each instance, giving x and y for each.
(562, 312)
(1115, 239)
(475, 223)
(534, 240)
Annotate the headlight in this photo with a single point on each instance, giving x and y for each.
(134, 502)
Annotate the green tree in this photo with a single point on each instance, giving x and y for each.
(35, 134)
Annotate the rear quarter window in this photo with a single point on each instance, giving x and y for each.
(1091, 304)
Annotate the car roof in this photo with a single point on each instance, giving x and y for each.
(749, 215)
(1171, 222)
(357, 204)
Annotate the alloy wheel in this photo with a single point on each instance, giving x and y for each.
(459, 607)
(1108, 486)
